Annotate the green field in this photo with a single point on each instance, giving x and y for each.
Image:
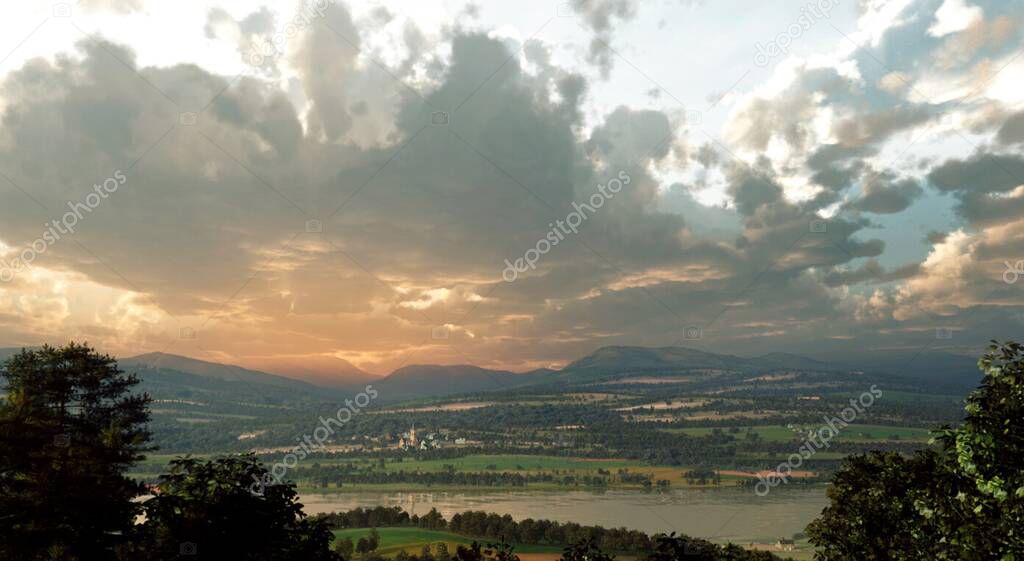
(852, 433)
(518, 463)
(502, 462)
(905, 397)
(521, 464)
(512, 462)
(156, 464)
(770, 433)
(412, 540)
(869, 433)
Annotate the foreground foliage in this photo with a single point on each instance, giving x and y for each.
(963, 501)
(209, 511)
(69, 428)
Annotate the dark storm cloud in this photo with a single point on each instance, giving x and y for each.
(884, 194)
(981, 183)
(600, 17)
(935, 237)
(870, 272)
(982, 173)
(325, 61)
(751, 191)
(1012, 130)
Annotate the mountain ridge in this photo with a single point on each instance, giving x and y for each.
(207, 369)
(601, 365)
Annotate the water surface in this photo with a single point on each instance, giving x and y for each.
(736, 515)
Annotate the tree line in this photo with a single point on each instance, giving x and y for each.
(340, 475)
(503, 529)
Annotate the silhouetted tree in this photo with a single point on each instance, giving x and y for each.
(213, 511)
(69, 428)
(585, 550)
(501, 551)
(344, 547)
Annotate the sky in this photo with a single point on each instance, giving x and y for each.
(290, 185)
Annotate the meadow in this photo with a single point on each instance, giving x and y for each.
(412, 540)
(853, 433)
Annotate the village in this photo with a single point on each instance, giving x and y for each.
(409, 441)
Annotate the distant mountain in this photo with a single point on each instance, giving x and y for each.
(922, 364)
(203, 369)
(411, 382)
(185, 383)
(789, 361)
(912, 364)
(178, 377)
(324, 371)
(623, 361)
(7, 353)
(606, 363)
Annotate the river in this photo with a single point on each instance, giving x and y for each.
(736, 515)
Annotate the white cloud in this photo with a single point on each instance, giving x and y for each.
(953, 16)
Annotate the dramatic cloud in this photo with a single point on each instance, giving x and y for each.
(253, 36)
(358, 191)
(600, 17)
(883, 194)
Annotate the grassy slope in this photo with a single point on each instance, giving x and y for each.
(506, 462)
(516, 463)
(412, 540)
(853, 433)
(529, 464)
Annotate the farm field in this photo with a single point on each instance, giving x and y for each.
(514, 462)
(853, 433)
(412, 540)
(156, 464)
(913, 397)
(505, 463)
(524, 463)
(527, 464)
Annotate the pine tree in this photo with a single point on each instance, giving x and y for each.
(69, 428)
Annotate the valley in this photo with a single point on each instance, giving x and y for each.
(650, 439)
(626, 436)
(622, 437)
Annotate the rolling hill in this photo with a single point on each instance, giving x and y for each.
(411, 382)
(624, 362)
(204, 369)
(176, 378)
(323, 371)
(331, 379)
